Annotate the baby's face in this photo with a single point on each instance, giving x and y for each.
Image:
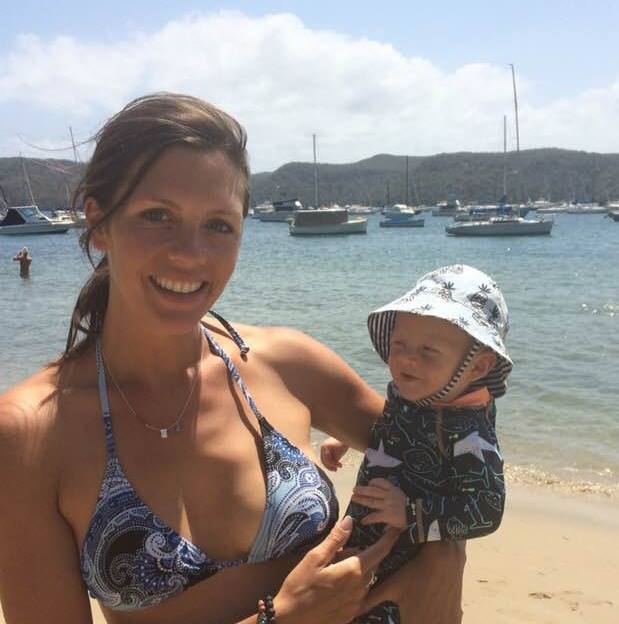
(424, 354)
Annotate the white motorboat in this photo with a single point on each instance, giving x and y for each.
(259, 209)
(502, 226)
(446, 209)
(399, 216)
(280, 212)
(69, 217)
(400, 209)
(586, 209)
(30, 220)
(326, 221)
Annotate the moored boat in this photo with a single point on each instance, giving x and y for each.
(502, 226)
(446, 209)
(280, 212)
(30, 220)
(401, 219)
(326, 221)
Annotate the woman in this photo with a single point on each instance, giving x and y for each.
(162, 463)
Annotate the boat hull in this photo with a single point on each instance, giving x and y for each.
(410, 223)
(531, 228)
(353, 226)
(274, 217)
(34, 228)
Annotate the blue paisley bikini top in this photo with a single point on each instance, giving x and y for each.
(130, 559)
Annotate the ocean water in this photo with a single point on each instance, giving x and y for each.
(558, 423)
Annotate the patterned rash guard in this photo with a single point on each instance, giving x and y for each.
(448, 463)
(130, 559)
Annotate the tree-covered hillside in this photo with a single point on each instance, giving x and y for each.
(471, 177)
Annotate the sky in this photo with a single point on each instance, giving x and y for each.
(398, 77)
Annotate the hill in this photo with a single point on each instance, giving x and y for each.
(469, 176)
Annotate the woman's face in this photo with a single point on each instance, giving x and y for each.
(173, 245)
(424, 354)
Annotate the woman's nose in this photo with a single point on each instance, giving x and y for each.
(189, 246)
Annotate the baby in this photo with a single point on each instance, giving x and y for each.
(433, 467)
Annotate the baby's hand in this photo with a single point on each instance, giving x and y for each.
(331, 451)
(388, 500)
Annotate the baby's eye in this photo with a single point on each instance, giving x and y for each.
(157, 215)
(429, 349)
(219, 225)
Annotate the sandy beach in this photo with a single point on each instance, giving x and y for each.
(555, 559)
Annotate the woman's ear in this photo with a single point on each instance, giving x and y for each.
(94, 215)
(483, 363)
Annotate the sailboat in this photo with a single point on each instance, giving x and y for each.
(323, 221)
(506, 222)
(28, 219)
(402, 215)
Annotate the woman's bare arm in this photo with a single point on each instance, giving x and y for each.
(341, 403)
(39, 573)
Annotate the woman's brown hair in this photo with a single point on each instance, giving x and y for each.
(126, 147)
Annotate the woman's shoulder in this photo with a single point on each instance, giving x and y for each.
(30, 411)
(29, 404)
(30, 447)
(284, 346)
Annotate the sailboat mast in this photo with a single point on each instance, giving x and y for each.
(505, 156)
(315, 174)
(407, 190)
(516, 108)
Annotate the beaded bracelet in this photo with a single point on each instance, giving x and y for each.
(266, 611)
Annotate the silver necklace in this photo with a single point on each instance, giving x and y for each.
(176, 426)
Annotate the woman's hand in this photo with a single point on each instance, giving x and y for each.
(428, 588)
(319, 590)
(331, 452)
(387, 500)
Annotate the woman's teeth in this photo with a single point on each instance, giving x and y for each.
(178, 287)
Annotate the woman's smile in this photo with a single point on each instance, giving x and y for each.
(181, 292)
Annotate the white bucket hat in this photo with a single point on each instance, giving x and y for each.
(464, 296)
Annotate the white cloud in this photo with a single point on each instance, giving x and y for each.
(285, 81)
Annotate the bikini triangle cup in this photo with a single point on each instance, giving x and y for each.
(130, 559)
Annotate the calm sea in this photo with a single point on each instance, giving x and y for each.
(558, 423)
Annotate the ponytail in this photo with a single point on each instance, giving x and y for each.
(88, 313)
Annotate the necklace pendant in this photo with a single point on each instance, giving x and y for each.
(163, 433)
(178, 428)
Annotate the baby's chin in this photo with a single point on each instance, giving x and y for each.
(412, 396)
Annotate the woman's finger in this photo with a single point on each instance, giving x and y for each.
(386, 591)
(345, 553)
(374, 554)
(327, 550)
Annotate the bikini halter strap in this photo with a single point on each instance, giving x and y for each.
(232, 369)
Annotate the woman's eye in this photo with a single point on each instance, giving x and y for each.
(219, 226)
(156, 215)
